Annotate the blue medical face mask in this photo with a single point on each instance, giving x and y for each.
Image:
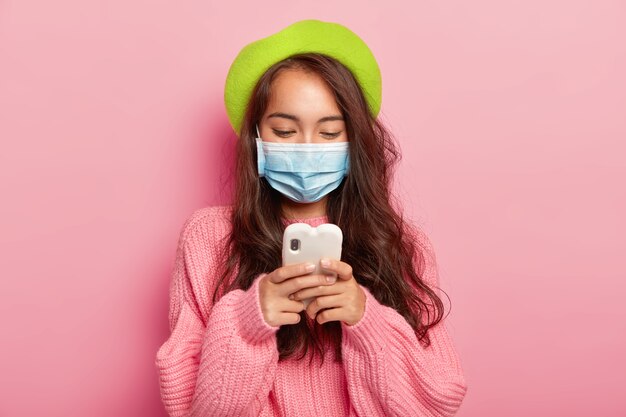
(303, 172)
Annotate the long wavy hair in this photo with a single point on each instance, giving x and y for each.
(384, 254)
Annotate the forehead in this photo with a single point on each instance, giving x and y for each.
(304, 94)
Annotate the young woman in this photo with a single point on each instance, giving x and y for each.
(372, 342)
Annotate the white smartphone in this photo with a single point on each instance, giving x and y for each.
(304, 243)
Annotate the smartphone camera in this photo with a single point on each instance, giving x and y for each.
(295, 244)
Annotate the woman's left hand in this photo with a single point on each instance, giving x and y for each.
(344, 300)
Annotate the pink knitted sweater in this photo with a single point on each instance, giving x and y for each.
(222, 359)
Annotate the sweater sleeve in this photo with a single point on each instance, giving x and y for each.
(389, 373)
(224, 367)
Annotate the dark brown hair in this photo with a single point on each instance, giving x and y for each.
(384, 255)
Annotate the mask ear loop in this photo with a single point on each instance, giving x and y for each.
(260, 155)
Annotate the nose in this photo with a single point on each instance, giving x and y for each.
(307, 136)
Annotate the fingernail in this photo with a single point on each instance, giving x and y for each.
(309, 267)
(330, 278)
(325, 262)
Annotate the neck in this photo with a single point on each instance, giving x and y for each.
(293, 210)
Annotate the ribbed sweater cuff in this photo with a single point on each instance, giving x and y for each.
(366, 335)
(252, 324)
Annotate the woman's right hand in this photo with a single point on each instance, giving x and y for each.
(275, 288)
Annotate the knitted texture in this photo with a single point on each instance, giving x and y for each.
(221, 359)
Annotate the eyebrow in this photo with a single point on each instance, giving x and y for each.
(295, 118)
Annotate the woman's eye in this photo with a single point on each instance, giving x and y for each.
(283, 133)
(331, 134)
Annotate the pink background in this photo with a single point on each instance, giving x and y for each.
(512, 121)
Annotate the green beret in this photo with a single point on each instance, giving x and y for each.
(326, 38)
